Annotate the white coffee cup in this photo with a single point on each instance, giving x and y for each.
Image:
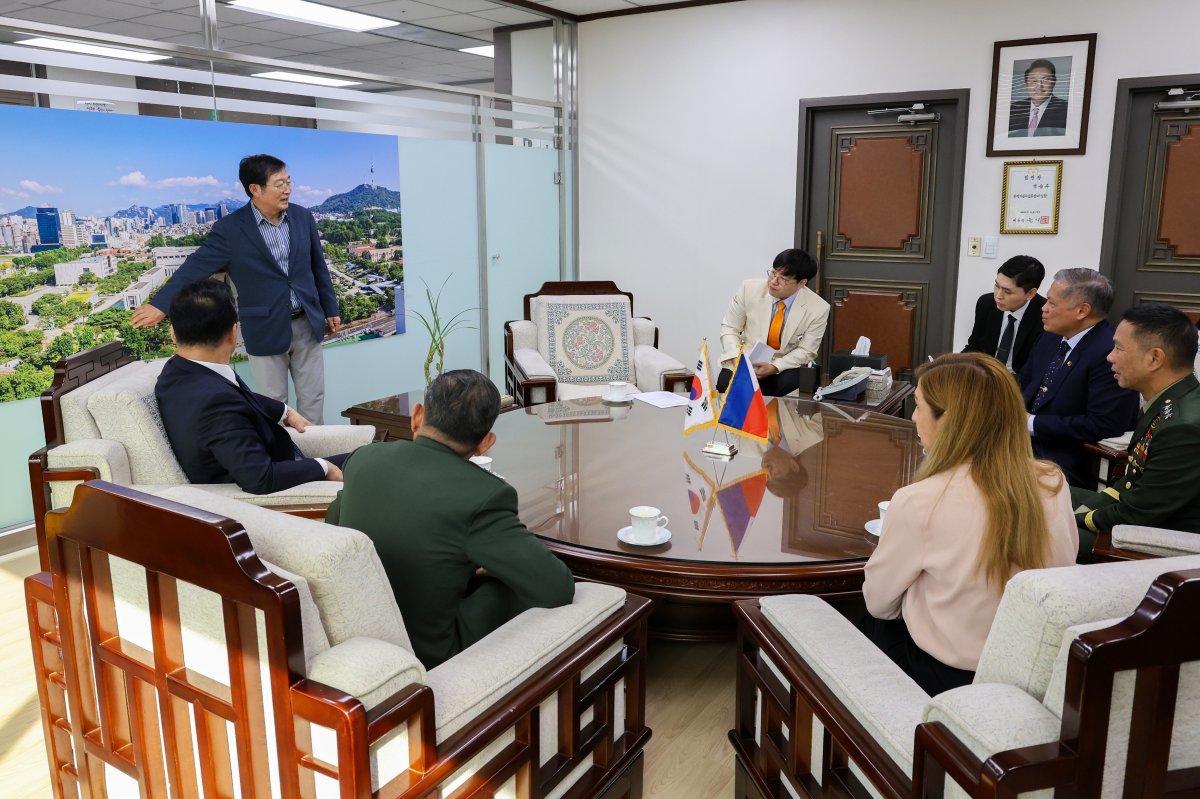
(482, 461)
(883, 506)
(645, 521)
(616, 391)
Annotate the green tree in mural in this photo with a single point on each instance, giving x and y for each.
(25, 383)
(12, 316)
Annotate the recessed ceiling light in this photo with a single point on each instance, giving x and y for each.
(299, 77)
(92, 49)
(487, 51)
(315, 13)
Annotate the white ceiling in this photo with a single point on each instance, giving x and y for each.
(423, 47)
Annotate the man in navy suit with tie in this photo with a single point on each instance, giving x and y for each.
(1009, 320)
(1070, 392)
(272, 252)
(220, 430)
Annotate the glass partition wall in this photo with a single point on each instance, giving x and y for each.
(127, 119)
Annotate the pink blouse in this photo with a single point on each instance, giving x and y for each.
(924, 568)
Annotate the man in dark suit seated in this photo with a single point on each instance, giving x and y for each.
(1153, 352)
(1070, 392)
(220, 430)
(1042, 113)
(459, 559)
(1009, 320)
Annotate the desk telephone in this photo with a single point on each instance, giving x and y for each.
(853, 379)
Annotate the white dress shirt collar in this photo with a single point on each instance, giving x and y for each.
(223, 369)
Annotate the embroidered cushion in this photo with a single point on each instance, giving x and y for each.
(586, 339)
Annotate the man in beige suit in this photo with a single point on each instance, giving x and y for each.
(783, 313)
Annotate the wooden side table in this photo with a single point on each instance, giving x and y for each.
(1117, 460)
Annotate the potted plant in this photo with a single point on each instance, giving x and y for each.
(439, 329)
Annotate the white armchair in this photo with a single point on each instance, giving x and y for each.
(578, 336)
(102, 420)
(1052, 704)
(257, 647)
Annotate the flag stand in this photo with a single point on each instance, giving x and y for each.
(720, 450)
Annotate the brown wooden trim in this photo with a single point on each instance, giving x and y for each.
(1119, 156)
(538, 8)
(625, 12)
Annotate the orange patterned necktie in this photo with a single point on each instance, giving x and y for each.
(776, 330)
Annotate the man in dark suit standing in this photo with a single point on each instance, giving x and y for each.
(220, 430)
(1009, 320)
(1069, 389)
(272, 252)
(1042, 114)
(459, 559)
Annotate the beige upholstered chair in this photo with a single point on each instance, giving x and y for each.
(102, 420)
(195, 641)
(821, 710)
(577, 337)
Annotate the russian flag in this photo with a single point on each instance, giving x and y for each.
(744, 411)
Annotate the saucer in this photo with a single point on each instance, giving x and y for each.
(874, 527)
(625, 535)
(626, 400)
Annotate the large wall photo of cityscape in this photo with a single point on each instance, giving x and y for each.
(98, 210)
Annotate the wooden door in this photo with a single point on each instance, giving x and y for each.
(1151, 246)
(879, 205)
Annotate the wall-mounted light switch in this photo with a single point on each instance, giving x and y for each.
(991, 246)
(973, 246)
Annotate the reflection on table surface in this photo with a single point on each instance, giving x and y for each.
(578, 466)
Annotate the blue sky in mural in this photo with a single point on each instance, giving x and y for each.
(84, 161)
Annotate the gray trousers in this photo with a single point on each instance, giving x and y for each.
(306, 363)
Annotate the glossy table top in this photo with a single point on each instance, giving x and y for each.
(578, 467)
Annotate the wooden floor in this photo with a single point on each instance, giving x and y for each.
(689, 706)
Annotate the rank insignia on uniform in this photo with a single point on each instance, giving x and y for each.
(1167, 410)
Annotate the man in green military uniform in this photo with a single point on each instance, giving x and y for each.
(459, 560)
(1154, 348)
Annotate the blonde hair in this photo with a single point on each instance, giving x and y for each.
(983, 424)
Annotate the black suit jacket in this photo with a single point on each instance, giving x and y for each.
(234, 245)
(222, 433)
(989, 321)
(1084, 404)
(1052, 123)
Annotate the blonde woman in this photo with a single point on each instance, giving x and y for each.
(981, 510)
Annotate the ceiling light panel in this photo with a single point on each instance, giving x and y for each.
(92, 49)
(298, 77)
(314, 13)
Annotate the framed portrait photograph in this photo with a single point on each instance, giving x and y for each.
(1041, 94)
(1031, 194)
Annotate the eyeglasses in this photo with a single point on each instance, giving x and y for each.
(775, 276)
(280, 185)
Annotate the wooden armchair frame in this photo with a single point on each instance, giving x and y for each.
(520, 385)
(104, 700)
(69, 374)
(1153, 642)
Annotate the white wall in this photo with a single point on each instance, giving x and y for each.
(688, 131)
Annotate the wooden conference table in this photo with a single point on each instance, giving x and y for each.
(773, 520)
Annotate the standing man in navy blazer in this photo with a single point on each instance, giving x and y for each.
(272, 252)
(1070, 392)
(1008, 321)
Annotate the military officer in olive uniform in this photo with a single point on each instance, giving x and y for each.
(1154, 348)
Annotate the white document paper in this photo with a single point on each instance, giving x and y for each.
(761, 353)
(662, 399)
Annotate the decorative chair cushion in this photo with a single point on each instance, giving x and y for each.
(347, 580)
(127, 412)
(1040, 604)
(77, 419)
(1155, 540)
(585, 339)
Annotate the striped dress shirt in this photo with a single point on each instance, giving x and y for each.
(278, 241)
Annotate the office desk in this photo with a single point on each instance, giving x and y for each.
(771, 521)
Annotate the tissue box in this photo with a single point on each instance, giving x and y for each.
(810, 378)
(841, 360)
